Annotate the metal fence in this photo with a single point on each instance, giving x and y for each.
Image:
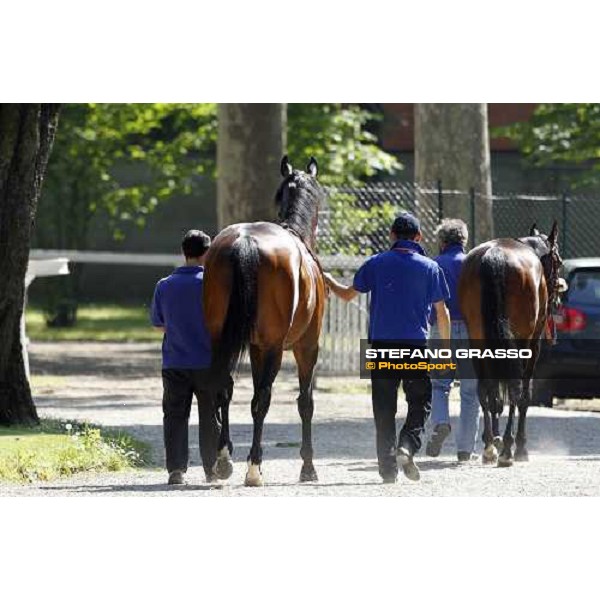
(355, 223)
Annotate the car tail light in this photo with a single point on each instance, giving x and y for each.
(569, 319)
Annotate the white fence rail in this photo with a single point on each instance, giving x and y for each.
(344, 324)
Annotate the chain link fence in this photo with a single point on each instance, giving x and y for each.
(355, 222)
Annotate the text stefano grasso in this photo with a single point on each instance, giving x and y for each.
(447, 353)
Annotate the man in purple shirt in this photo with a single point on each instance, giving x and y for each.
(452, 237)
(186, 357)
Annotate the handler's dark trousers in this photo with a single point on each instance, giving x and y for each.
(417, 389)
(179, 386)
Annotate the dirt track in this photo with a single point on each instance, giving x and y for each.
(119, 385)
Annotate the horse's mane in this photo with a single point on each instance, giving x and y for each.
(538, 243)
(297, 210)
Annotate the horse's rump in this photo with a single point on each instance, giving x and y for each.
(502, 291)
(256, 290)
(502, 295)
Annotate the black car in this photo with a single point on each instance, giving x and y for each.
(571, 368)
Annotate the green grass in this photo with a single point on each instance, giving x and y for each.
(95, 323)
(55, 449)
(46, 384)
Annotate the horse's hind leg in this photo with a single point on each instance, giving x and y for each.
(521, 453)
(496, 406)
(506, 457)
(224, 466)
(306, 356)
(490, 454)
(265, 366)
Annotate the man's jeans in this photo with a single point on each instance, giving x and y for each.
(468, 423)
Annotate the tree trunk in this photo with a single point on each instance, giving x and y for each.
(452, 146)
(251, 141)
(26, 136)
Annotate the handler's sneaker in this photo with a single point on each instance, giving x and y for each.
(176, 478)
(405, 460)
(435, 443)
(466, 456)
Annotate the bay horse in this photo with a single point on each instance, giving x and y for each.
(264, 290)
(506, 291)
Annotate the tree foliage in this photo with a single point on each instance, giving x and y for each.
(338, 136)
(122, 160)
(562, 135)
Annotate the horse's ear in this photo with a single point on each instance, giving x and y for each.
(533, 230)
(312, 168)
(553, 237)
(286, 167)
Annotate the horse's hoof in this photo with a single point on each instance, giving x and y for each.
(308, 474)
(490, 455)
(505, 461)
(522, 455)
(253, 476)
(224, 465)
(498, 443)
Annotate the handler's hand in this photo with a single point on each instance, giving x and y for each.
(329, 280)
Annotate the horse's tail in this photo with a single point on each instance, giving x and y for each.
(493, 296)
(242, 310)
(496, 325)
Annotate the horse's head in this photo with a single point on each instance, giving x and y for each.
(546, 247)
(298, 199)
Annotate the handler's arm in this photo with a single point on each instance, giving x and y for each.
(156, 314)
(345, 292)
(443, 319)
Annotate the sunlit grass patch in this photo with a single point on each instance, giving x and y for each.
(95, 323)
(54, 449)
(47, 384)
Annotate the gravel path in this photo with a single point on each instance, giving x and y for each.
(119, 385)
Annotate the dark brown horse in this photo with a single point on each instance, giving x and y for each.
(506, 290)
(264, 289)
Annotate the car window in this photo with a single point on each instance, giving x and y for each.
(584, 287)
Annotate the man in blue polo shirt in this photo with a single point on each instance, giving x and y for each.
(186, 350)
(404, 285)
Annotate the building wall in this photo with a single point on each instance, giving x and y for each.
(397, 133)
(510, 172)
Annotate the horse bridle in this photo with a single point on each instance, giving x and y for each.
(552, 264)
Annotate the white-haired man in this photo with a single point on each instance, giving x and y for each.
(452, 236)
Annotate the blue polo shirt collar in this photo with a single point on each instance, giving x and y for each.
(191, 269)
(453, 249)
(409, 245)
